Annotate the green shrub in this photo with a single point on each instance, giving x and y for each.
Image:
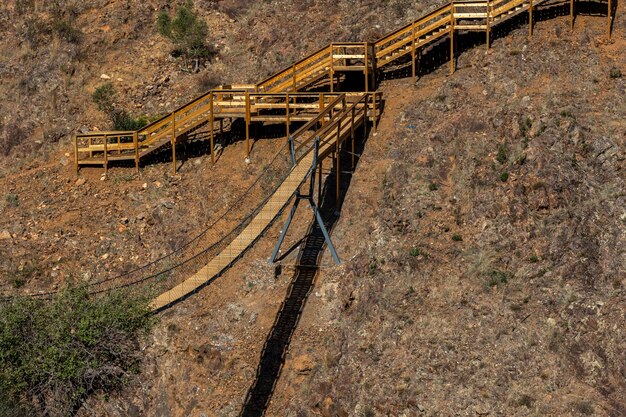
(123, 121)
(497, 277)
(504, 177)
(457, 238)
(433, 186)
(66, 31)
(12, 200)
(415, 252)
(53, 355)
(104, 97)
(615, 73)
(187, 31)
(502, 157)
(583, 407)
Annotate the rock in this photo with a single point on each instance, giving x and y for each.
(105, 77)
(80, 181)
(536, 129)
(5, 234)
(64, 161)
(303, 364)
(168, 204)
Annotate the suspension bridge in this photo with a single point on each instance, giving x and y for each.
(326, 123)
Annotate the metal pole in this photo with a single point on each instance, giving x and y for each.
(283, 232)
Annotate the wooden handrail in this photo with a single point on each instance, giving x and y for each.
(430, 15)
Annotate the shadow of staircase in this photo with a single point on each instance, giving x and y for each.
(313, 245)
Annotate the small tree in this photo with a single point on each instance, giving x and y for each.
(53, 355)
(188, 32)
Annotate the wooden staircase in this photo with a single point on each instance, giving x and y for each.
(318, 70)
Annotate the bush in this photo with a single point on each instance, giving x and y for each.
(502, 156)
(66, 31)
(124, 121)
(104, 99)
(53, 355)
(615, 73)
(187, 31)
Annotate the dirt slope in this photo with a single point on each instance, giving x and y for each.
(464, 291)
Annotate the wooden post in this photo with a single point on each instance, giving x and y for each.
(488, 24)
(332, 70)
(322, 103)
(375, 125)
(413, 50)
(212, 127)
(76, 152)
(530, 19)
(452, 66)
(367, 67)
(352, 135)
(374, 68)
(106, 154)
(174, 141)
(287, 114)
(247, 125)
(610, 18)
(571, 15)
(119, 141)
(295, 84)
(136, 143)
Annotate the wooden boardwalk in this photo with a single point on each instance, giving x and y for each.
(284, 94)
(287, 97)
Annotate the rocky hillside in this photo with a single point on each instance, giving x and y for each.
(53, 56)
(56, 53)
(482, 235)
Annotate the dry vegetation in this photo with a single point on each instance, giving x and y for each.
(483, 234)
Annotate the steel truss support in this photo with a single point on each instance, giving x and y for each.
(308, 197)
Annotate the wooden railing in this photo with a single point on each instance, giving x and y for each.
(407, 39)
(347, 56)
(245, 99)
